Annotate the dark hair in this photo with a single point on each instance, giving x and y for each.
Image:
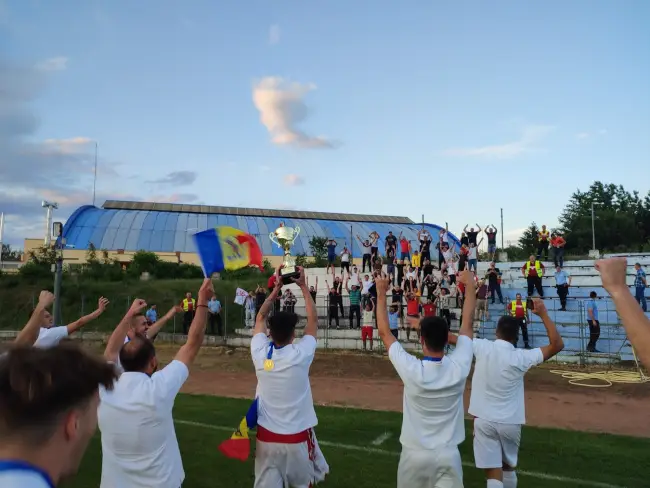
(508, 329)
(435, 332)
(38, 385)
(136, 354)
(281, 327)
(593, 294)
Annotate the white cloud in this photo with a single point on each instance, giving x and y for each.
(274, 34)
(282, 109)
(58, 63)
(293, 180)
(73, 145)
(176, 178)
(583, 135)
(530, 136)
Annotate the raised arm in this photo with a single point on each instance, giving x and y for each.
(156, 328)
(265, 309)
(637, 325)
(27, 337)
(190, 349)
(116, 341)
(382, 283)
(79, 323)
(465, 228)
(310, 307)
(469, 304)
(346, 285)
(479, 228)
(554, 337)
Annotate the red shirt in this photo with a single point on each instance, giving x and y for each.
(404, 245)
(461, 287)
(519, 311)
(271, 284)
(412, 307)
(557, 241)
(429, 309)
(532, 272)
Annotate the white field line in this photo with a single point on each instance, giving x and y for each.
(374, 450)
(381, 439)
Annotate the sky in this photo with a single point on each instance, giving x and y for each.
(451, 110)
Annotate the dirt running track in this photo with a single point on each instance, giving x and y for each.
(369, 381)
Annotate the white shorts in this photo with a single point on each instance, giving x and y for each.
(296, 465)
(496, 444)
(436, 468)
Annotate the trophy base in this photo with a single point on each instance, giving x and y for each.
(288, 274)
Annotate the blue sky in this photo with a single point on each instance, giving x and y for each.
(400, 108)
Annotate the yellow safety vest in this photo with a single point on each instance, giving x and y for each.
(543, 236)
(538, 267)
(513, 309)
(186, 304)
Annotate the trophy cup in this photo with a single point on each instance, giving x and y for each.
(284, 238)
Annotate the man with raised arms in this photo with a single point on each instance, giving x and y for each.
(287, 452)
(432, 423)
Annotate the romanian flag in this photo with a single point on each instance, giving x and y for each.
(239, 444)
(227, 248)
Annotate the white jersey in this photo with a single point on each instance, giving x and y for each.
(139, 445)
(19, 474)
(50, 337)
(285, 403)
(433, 396)
(498, 381)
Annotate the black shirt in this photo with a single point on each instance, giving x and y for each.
(493, 278)
(397, 296)
(464, 240)
(390, 255)
(424, 245)
(333, 299)
(259, 299)
(313, 295)
(391, 241)
(427, 269)
(492, 237)
(471, 237)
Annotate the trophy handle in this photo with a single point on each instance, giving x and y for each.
(296, 232)
(274, 239)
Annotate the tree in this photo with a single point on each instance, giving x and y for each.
(91, 254)
(318, 246)
(9, 254)
(528, 240)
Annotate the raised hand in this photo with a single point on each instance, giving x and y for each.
(538, 307)
(206, 291)
(45, 299)
(174, 310)
(382, 284)
(467, 279)
(137, 306)
(612, 273)
(300, 280)
(102, 304)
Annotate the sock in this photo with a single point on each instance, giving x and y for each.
(509, 479)
(494, 484)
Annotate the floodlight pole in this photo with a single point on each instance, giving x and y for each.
(593, 228)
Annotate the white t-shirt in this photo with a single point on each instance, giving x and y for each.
(498, 381)
(472, 253)
(368, 319)
(139, 446)
(285, 404)
(445, 237)
(345, 257)
(354, 280)
(366, 287)
(433, 396)
(51, 337)
(21, 475)
(366, 248)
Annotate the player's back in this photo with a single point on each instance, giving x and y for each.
(433, 396)
(498, 380)
(285, 403)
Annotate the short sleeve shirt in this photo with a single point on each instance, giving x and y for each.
(51, 337)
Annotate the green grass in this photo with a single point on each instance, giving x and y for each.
(593, 458)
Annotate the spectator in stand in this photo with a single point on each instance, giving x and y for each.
(494, 282)
(558, 243)
(398, 299)
(345, 260)
(412, 312)
(313, 290)
(260, 298)
(374, 250)
(450, 265)
(425, 244)
(354, 276)
(400, 270)
(442, 303)
(331, 256)
(250, 306)
(368, 324)
(338, 285)
(332, 306)
(390, 242)
(365, 290)
(416, 262)
(543, 236)
(378, 264)
(404, 248)
(152, 314)
(464, 240)
(189, 308)
(482, 310)
(518, 311)
(491, 233)
(472, 235)
(367, 254)
(562, 284)
(429, 308)
(640, 284)
(427, 267)
(393, 319)
(429, 282)
(533, 271)
(355, 303)
(592, 320)
(390, 263)
(290, 302)
(472, 257)
(270, 285)
(214, 307)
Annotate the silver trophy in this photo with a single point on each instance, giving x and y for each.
(284, 237)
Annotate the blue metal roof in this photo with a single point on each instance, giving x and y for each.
(158, 231)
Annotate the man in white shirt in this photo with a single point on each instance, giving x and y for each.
(287, 453)
(139, 446)
(497, 399)
(48, 412)
(432, 423)
(49, 335)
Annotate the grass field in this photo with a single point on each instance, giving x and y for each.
(548, 457)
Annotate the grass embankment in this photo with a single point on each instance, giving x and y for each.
(79, 298)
